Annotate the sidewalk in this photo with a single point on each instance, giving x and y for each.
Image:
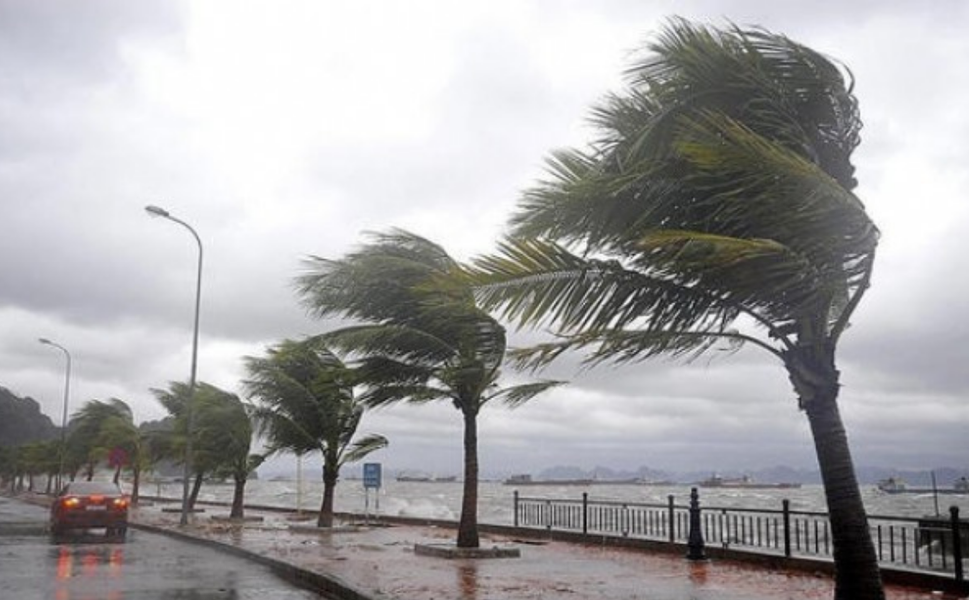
(379, 562)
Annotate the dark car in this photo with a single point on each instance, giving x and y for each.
(90, 505)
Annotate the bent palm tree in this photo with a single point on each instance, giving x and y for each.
(216, 441)
(92, 430)
(423, 337)
(224, 434)
(307, 405)
(715, 208)
(119, 432)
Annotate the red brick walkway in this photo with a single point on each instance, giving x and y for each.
(380, 562)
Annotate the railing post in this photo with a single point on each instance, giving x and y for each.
(957, 543)
(585, 513)
(695, 543)
(516, 508)
(672, 519)
(787, 527)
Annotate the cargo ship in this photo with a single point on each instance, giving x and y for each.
(744, 482)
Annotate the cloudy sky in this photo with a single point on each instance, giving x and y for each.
(280, 129)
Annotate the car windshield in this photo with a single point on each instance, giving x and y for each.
(84, 488)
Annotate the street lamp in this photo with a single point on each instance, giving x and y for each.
(156, 211)
(67, 395)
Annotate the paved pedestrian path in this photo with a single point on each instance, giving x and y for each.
(379, 562)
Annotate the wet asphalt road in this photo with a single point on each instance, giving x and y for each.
(145, 566)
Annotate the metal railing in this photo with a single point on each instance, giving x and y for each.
(936, 544)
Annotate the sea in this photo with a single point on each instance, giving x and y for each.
(442, 500)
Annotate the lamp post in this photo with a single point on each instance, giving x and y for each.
(67, 395)
(190, 401)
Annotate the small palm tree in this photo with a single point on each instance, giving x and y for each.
(88, 437)
(218, 438)
(715, 209)
(225, 433)
(38, 458)
(305, 404)
(423, 338)
(119, 432)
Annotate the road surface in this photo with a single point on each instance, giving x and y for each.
(143, 567)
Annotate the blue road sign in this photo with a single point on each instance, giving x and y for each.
(371, 475)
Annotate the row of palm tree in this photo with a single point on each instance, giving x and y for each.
(303, 403)
(714, 210)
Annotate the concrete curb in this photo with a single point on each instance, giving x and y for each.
(329, 586)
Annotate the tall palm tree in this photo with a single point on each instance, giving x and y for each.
(714, 209)
(422, 337)
(306, 404)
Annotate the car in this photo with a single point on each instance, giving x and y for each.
(90, 505)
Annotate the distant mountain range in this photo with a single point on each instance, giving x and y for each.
(21, 420)
(779, 474)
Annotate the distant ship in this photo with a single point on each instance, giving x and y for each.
(525, 479)
(426, 479)
(744, 482)
(896, 485)
(893, 485)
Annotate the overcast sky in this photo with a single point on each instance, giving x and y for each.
(281, 129)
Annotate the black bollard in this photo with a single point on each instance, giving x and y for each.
(695, 543)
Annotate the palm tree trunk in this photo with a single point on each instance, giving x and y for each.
(856, 567)
(815, 379)
(238, 493)
(196, 486)
(135, 484)
(468, 527)
(330, 475)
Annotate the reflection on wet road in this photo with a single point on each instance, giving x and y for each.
(143, 567)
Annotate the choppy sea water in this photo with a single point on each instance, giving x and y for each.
(495, 500)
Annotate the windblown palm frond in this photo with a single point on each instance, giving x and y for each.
(401, 341)
(622, 346)
(537, 281)
(720, 186)
(390, 393)
(283, 432)
(517, 395)
(364, 446)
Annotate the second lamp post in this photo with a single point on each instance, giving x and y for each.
(190, 401)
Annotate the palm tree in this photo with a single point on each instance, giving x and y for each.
(9, 466)
(224, 431)
(715, 208)
(119, 432)
(213, 445)
(87, 439)
(422, 338)
(307, 404)
(38, 458)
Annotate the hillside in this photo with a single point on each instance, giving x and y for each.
(21, 420)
